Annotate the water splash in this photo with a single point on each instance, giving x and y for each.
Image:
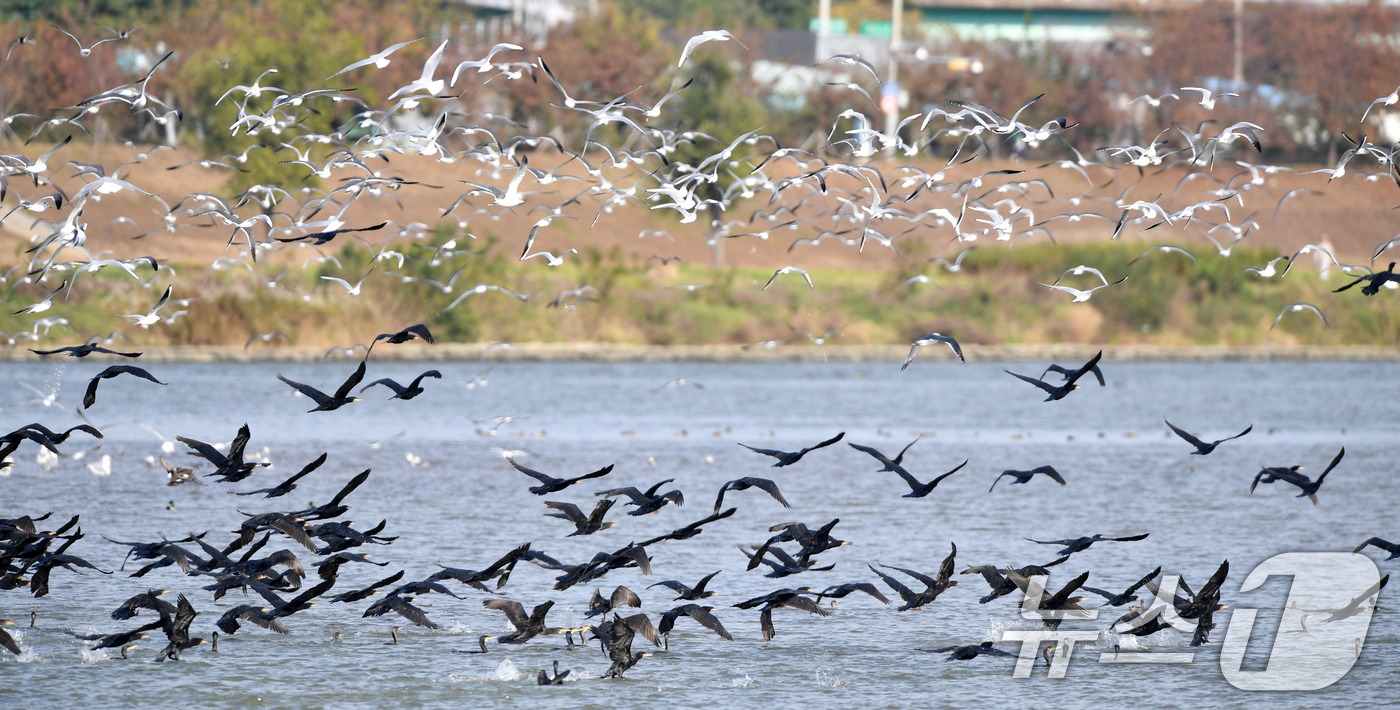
(507, 671)
(97, 656)
(744, 682)
(826, 679)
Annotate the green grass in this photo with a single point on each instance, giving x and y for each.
(1167, 300)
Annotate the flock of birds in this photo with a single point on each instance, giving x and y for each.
(1001, 209)
(29, 555)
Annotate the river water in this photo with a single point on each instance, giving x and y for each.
(450, 497)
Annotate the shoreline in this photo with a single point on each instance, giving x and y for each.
(616, 352)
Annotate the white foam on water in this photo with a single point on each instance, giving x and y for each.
(507, 671)
(827, 679)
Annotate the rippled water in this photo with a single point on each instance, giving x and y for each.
(464, 506)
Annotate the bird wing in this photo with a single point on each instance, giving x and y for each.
(935, 482)
(514, 611)
(349, 384)
(164, 299)
(410, 612)
(1063, 595)
(90, 396)
(1132, 538)
(203, 450)
(703, 616)
(421, 331)
(770, 487)
(828, 442)
(600, 511)
(1373, 589)
(1378, 543)
(1212, 585)
(913, 352)
(797, 601)
(630, 491)
(1051, 542)
(904, 592)
(354, 483)
(639, 623)
(1049, 388)
(419, 379)
(876, 454)
(1051, 472)
(1186, 435)
(596, 474)
(1336, 460)
(295, 530)
(622, 596)
(316, 395)
(945, 570)
(568, 511)
(387, 382)
(306, 470)
(766, 452)
(256, 616)
(872, 590)
(1138, 585)
(1085, 369)
(532, 473)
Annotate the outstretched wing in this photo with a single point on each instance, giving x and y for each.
(826, 443)
(532, 473)
(1186, 435)
(349, 385)
(1049, 388)
(204, 451)
(904, 592)
(1091, 365)
(387, 382)
(316, 395)
(596, 474)
(1051, 472)
(568, 511)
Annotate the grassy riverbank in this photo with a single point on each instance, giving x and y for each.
(995, 299)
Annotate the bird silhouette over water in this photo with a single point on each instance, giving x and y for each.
(325, 402)
(788, 458)
(1203, 448)
(1058, 392)
(549, 484)
(1025, 476)
(1306, 485)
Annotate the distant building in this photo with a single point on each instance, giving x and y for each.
(1023, 20)
(531, 17)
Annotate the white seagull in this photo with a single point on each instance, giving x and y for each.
(43, 305)
(1300, 306)
(1208, 97)
(1082, 296)
(379, 60)
(931, 339)
(153, 316)
(483, 65)
(703, 37)
(83, 51)
(426, 82)
(788, 270)
(353, 290)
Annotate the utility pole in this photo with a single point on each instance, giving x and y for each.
(891, 106)
(1239, 44)
(823, 29)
